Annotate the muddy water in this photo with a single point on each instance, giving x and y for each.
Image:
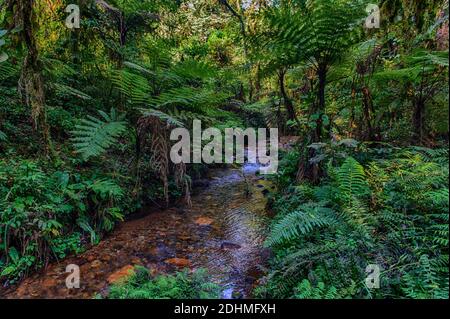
(222, 232)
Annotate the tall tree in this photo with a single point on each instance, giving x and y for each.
(31, 82)
(320, 32)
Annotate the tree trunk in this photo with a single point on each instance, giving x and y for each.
(241, 93)
(258, 81)
(367, 114)
(419, 120)
(244, 44)
(306, 169)
(320, 108)
(286, 100)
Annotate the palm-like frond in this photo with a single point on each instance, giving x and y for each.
(94, 136)
(322, 29)
(67, 90)
(164, 117)
(7, 70)
(351, 179)
(135, 87)
(415, 66)
(192, 69)
(300, 222)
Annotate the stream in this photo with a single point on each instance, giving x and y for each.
(222, 232)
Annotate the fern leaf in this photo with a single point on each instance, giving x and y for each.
(351, 179)
(299, 223)
(94, 136)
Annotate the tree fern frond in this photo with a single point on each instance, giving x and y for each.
(299, 223)
(94, 136)
(8, 70)
(67, 90)
(135, 87)
(192, 69)
(351, 180)
(169, 119)
(3, 136)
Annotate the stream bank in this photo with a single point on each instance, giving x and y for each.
(222, 232)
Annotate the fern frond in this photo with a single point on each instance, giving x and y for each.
(3, 136)
(94, 136)
(67, 90)
(192, 69)
(135, 87)
(299, 223)
(351, 180)
(167, 118)
(8, 70)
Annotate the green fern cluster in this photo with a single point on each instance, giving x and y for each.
(47, 213)
(392, 211)
(301, 222)
(182, 285)
(305, 290)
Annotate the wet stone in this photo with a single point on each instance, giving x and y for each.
(204, 221)
(179, 262)
(229, 245)
(96, 264)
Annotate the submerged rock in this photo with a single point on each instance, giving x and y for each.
(179, 262)
(204, 221)
(121, 275)
(200, 183)
(229, 245)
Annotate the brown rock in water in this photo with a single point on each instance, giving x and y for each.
(204, 221)
(106, 258)
(96, 264)
(229, 245)
(179, 262)
(121, 275)
(136, 261)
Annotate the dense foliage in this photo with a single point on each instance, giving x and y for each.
(390, 209)
(182, 285)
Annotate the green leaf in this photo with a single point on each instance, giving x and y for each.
(8, 270)
(3, 57)
(94, 136)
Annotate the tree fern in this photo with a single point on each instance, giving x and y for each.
(93, 136)
(134, 86)
(192, 69)
(187, 96)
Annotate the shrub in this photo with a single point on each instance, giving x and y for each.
(43, 213)
(393, 212)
